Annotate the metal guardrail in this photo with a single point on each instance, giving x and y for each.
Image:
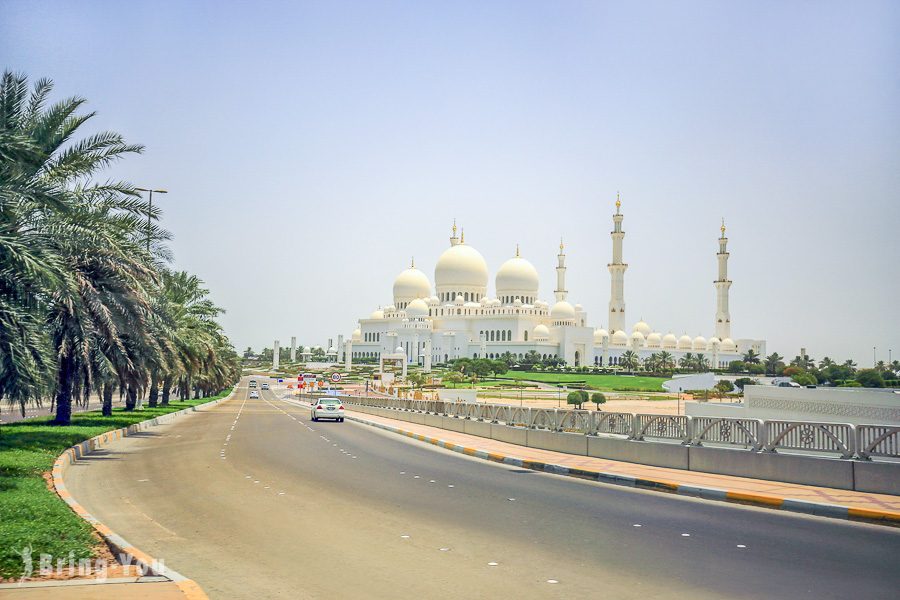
(747, 433)
(843, 439)
(668, 427)
(808, 435)
(877, 440)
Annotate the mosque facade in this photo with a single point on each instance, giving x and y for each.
(457, 318)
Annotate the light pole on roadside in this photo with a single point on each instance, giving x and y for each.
(150, 209)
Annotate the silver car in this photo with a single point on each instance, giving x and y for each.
(254, 394)
(328, 408)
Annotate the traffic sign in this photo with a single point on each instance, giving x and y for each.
(335, 377)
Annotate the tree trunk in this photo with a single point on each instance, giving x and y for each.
(167, 386)
(107, 399)
(66, 378)
(154, 390)
(130, 398)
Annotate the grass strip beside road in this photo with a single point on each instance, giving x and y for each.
(31, 514)
(606, 383)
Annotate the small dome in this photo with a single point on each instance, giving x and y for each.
(377, 314)
(654, 340)
(410, 284)
(390, 308)
(517, 301)
(619, 338)
(460, 300)
(699, 343)
(516, 276)
(434, 301)
(417, 309)
(562, 311)
(541, 332)
(685, 342)
(642, 327)
(356, 335)
(669, 341)
(637, 339)
(600, 335)
(714, 341)
(579, 308)
(332, 350)
(728, 344)
(399, 350)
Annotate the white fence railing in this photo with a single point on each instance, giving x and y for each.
(842, 439)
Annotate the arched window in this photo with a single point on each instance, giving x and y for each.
(509, 335)
(526, 336)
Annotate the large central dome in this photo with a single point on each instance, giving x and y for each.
(461, 270)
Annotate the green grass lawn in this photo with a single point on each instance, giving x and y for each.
(612, 383)
(30, 513)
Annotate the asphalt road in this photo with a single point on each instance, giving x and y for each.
(253, 500)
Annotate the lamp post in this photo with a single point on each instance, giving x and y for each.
(150, 209)
(874, 358)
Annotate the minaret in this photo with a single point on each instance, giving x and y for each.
(561, 291)
(617, 274)
(723, 317)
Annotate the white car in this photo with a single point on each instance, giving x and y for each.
(328, 408)
(254, 394)
(265, 386)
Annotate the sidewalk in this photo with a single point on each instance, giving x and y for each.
(124, 589)
(774, 494)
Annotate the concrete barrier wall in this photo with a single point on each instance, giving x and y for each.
(510, 435)
(877, 477)
(571, 443)
(791, 468)
(673, 456)
(479, 428)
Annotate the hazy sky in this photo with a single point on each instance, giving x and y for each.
(311, 148)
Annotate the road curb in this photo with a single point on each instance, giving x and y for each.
(885, 517)
(117, 543)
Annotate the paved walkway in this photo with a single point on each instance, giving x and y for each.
(84, 590)
(760, 487)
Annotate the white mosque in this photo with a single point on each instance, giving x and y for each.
(457, 318)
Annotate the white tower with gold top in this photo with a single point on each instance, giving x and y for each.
(617, 274)
(723, 316)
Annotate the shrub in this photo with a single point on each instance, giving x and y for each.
(724, 386)
(575, 398)
(804, 378)
(598, 398)
(870, 378)
(742, 382)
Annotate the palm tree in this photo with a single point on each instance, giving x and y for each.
(82, 301)
(772, 361)
(629, 360)
(666, 361)
(687, 361)
(751, 357)
(701, 363)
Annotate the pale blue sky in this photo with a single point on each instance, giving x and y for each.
(311, 148)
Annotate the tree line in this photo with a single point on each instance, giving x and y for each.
(88, 302)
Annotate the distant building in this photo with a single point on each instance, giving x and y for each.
(458, 318)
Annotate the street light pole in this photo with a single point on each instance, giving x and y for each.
(150, 209)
